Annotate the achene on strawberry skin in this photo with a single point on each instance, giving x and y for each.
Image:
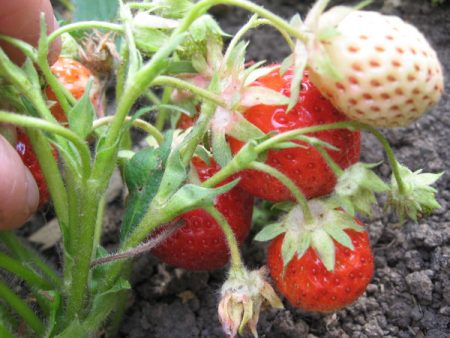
(308, 285)
(200, 243)
(25, 150)
(305, 167)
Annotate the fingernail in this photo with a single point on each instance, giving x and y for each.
(32, 193)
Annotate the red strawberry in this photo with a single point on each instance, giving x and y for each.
(75, 77)
(25, 150)
(200, 243)
(305, 167)
(308, 285)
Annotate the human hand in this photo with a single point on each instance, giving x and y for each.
(19, 195)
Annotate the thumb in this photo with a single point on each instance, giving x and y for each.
(19, 194)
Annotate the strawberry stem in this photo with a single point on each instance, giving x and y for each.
(28, 256)
(301, 199)
(84, 25)
(138, 123)
(390, 155)
(173, 82)
(29, 276)
(235, 255)
(42, 59)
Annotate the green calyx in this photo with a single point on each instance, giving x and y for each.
(355, 189)
(327, 227)
(419, 197)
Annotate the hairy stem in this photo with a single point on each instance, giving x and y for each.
(287, 182)
(233, 246)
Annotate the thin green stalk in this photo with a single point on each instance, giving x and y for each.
(169, 81)
(84, 25)
(251, 24)
(22, 309)
(233, 246)
(26, 254)
(152, 97)
(29, 276)
(133, 54)
(390, 155)
(161, 118)
(287, 182)
(99, 224)
(122, 71)
(26, 48)
(203, 6)
(42, 59)
(89, 197)
(337, 170)
(53, 128)
(4, 332)
(138, 123)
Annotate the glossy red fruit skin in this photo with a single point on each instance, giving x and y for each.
(305, 167)
(26, 153)
(309, 286)
(200, 244)
(74, 76)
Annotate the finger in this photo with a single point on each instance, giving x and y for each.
(19, 194)
(21, 19)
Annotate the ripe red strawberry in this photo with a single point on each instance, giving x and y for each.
(25, 150)
(305, 167)
(390, 75)
(75, 77)
(308, 285)
(200, 243)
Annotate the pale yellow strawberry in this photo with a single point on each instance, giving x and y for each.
(389, 73)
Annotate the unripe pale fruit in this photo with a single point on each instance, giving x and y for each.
(390, 73)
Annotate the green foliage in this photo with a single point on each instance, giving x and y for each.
(95, 10)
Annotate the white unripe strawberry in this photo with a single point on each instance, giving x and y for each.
(389, 73)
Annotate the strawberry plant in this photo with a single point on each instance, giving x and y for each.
(288, 133)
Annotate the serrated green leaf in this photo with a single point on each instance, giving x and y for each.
(103, 10)
(143, 175)
(149, 40)
(289, 247)
(192, 196)
(81, 116)
(270, 232)
(180, 67)
(174, 175)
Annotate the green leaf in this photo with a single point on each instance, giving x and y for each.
(300, 59)
(143, 175)
(75, 329)
(324, 247)
(304, 244)
(81, 116)
(270, 232)
(149, 40)
(192, 196)
(105, 10)
(104, 303)
(243, 130)
(180, 67)
(220, 147)
(174, 175)
(339, 235)
(54, 311)
(289, 247)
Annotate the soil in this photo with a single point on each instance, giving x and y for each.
(409, 295)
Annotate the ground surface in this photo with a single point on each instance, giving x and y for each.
(410, 293)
